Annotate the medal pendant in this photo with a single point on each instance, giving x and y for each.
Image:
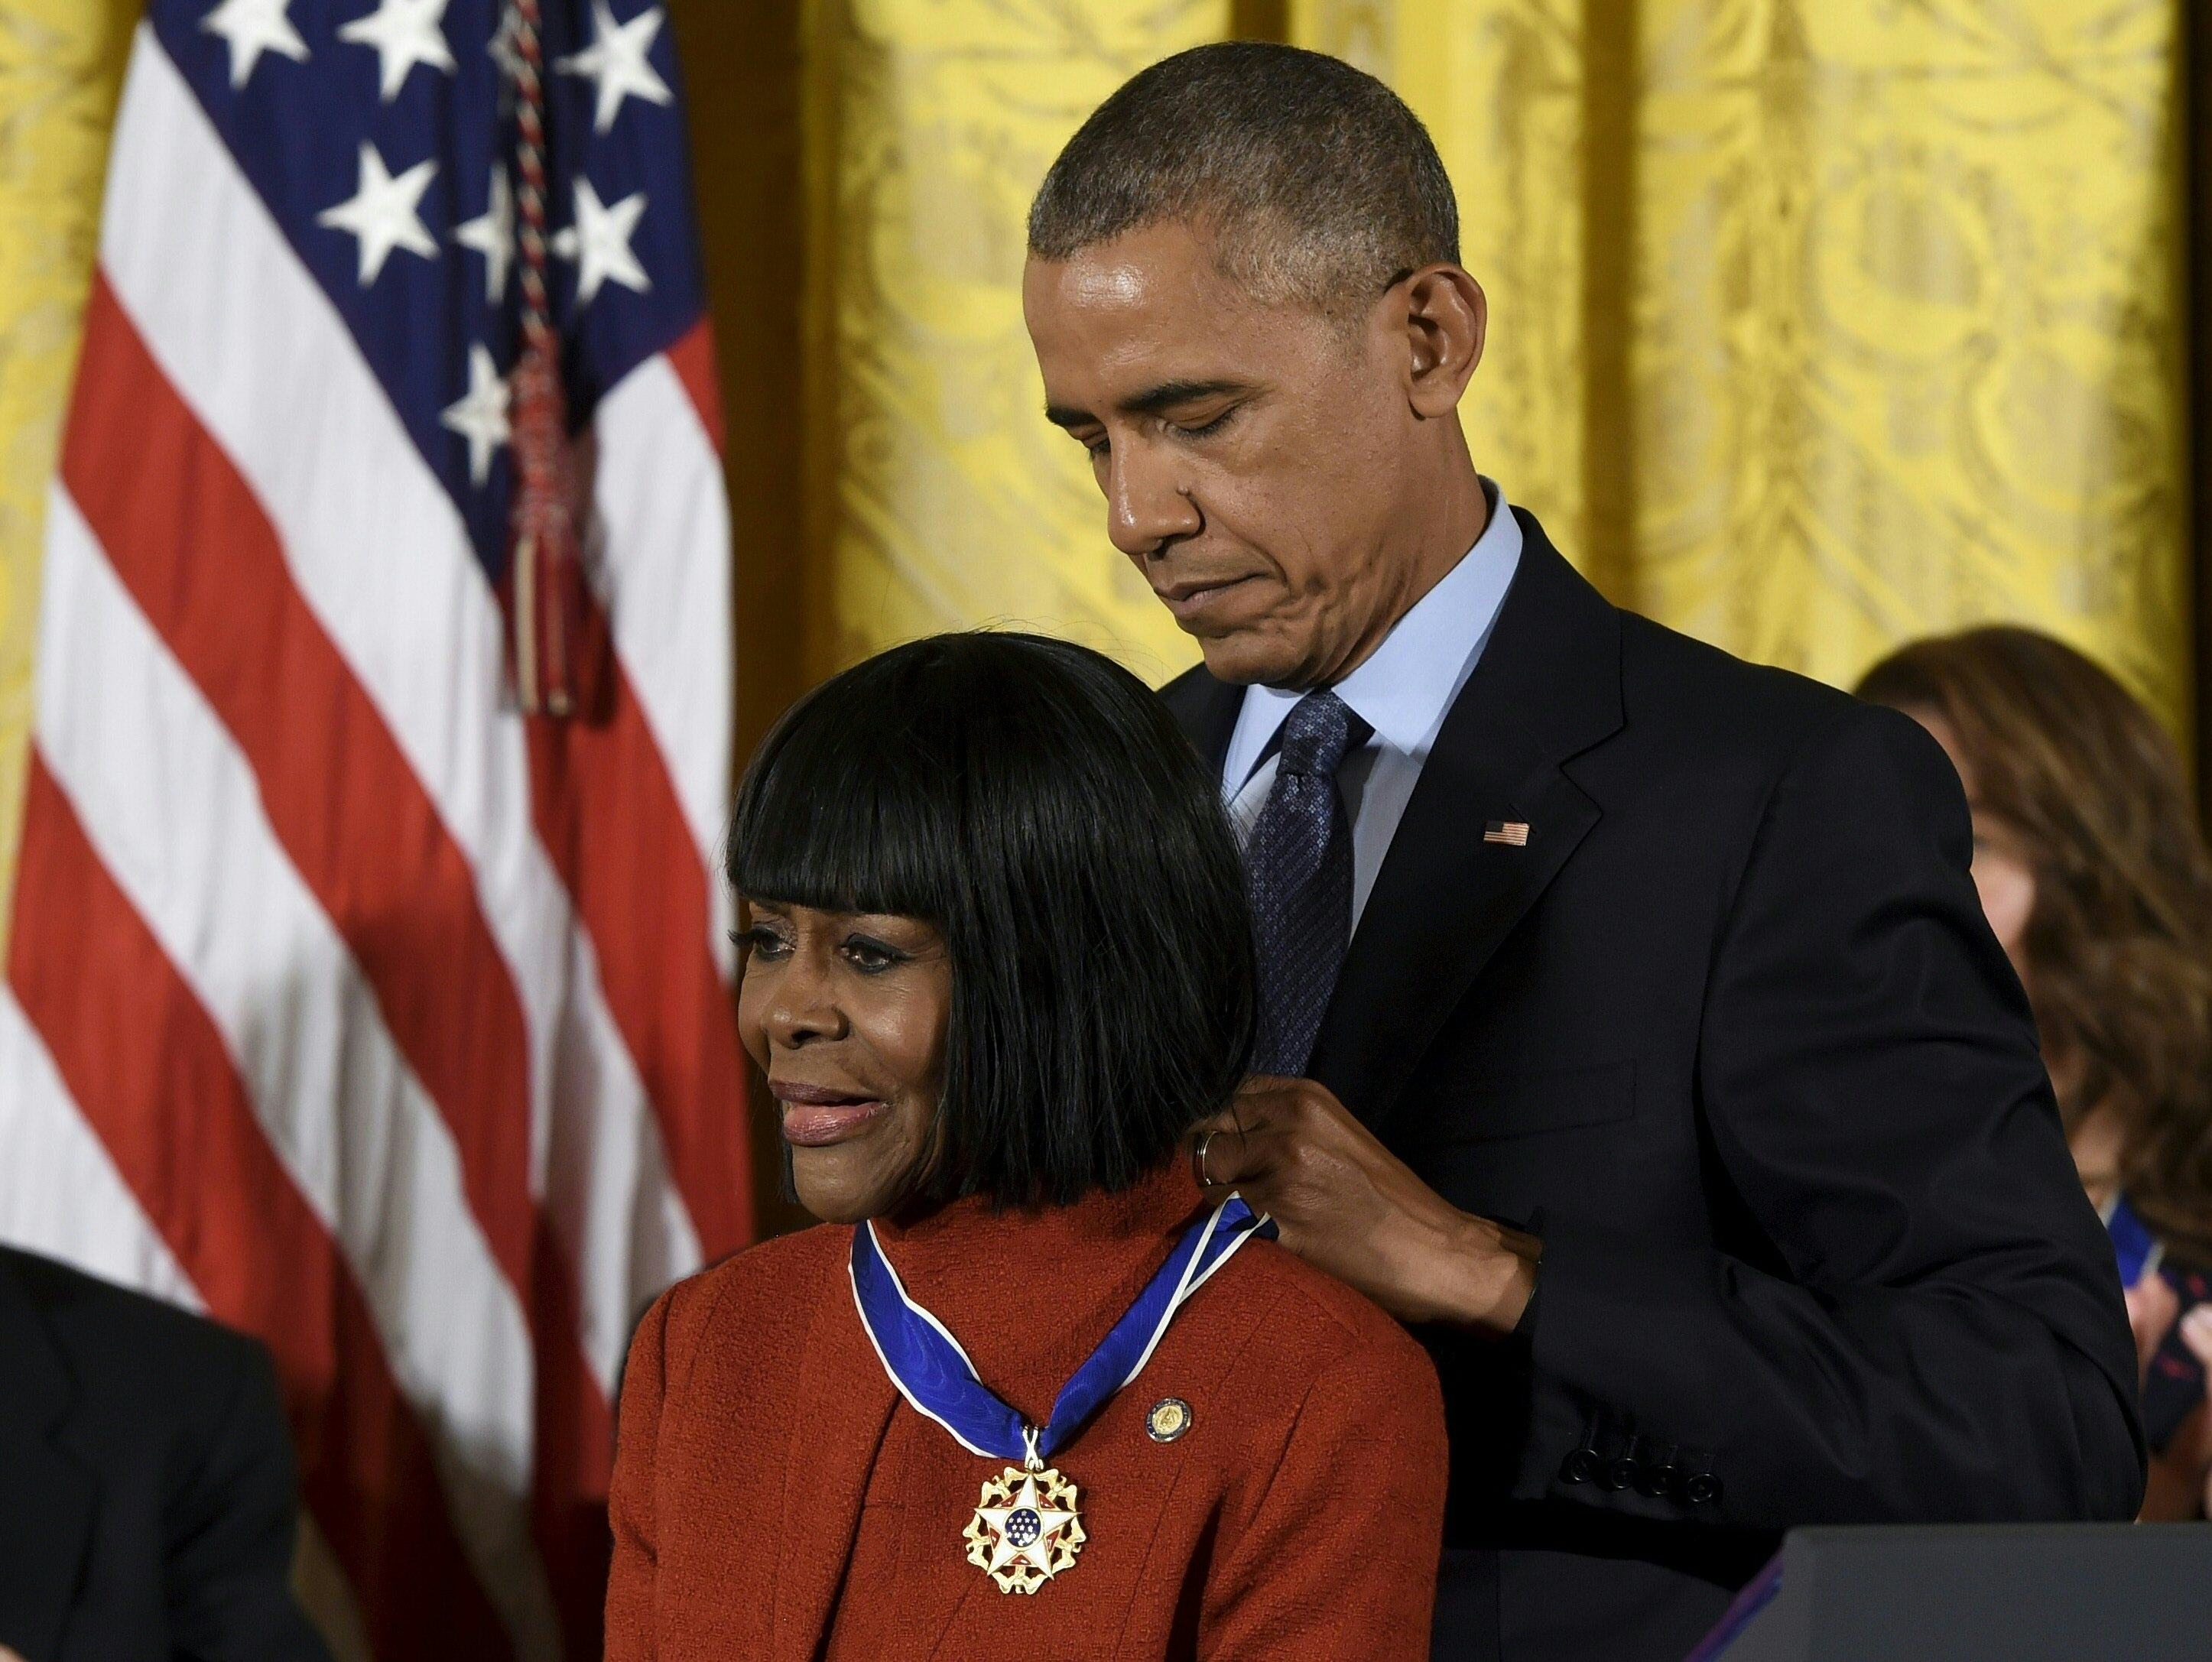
(1026, 1529)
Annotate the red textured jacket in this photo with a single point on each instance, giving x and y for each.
(775, 1500)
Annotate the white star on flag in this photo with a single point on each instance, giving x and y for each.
(1050, 1522)
(491, 234)
(599, 242)
(252, 27)
(479, 415)
(404, 32)
(616, 61)
(381, 212)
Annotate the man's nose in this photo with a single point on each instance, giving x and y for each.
(1145, 506)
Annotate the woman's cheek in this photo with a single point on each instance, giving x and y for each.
(2007, 886)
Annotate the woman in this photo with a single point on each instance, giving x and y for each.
(1028, 1390)
(2096, 882)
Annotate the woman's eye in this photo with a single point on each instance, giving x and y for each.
(871, 957)
(764, 941)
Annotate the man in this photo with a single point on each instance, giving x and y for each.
(1636, 1033)
(147, 1506)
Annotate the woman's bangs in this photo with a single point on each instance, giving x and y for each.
(835, 815)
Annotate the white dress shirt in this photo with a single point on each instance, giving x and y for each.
(1403, 691)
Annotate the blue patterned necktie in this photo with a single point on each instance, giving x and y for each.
(1297, 870)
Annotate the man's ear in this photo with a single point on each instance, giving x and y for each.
(1445, 319)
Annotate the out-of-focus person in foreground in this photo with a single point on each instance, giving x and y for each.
(2094, 872)
(148, 1506)
(1631, 1021)
(1030, 1392)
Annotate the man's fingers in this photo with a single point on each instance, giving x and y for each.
(1220, 1155)
(2151, 1306)
(2197, 1333)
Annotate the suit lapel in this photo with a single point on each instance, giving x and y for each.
(845, 1401)
(1547, 689)
(1207, 710)
(46, 1498)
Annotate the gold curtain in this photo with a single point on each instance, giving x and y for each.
(939, 497)
(1817, 326)
(61, 62)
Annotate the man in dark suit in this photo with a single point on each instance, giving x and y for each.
(147, 1506)
(1634, 1032)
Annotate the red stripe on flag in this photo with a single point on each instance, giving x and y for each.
(147, 1069)
(186, 536)
(607, 813)
(692, 358)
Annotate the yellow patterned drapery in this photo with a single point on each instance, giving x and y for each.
(1817, 325)
(940, 498)
(61, 62)
(1820, 326)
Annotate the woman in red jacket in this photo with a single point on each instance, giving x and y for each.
(1030, 1390)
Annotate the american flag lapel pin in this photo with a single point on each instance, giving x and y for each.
(1514, 833)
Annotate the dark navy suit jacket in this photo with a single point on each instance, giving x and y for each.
(1730, 1034)
(147, 1504)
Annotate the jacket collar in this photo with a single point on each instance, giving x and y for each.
(46, 1497)
(1546, 689)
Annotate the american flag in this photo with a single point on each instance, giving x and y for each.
(344, 1001)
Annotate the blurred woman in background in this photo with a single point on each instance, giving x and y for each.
(2095, 878)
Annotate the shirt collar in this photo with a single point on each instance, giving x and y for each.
(1408, 684)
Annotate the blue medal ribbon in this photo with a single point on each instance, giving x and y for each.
(934, 1374)
(2136, 1248)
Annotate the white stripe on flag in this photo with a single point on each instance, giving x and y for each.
(667, 526)
(59, 1191)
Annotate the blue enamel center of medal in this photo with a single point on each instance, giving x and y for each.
(1023, 1527)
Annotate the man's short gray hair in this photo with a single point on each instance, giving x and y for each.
(1313, 179)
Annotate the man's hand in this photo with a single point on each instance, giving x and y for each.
(1346, 1204)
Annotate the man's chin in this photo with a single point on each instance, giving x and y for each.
(1248, 657)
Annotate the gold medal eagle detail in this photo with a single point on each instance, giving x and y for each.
(1026, 1529)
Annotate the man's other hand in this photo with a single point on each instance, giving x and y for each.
(1348, 1205)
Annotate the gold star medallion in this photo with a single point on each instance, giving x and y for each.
(1026, 1529)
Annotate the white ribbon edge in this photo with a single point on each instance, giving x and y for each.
(1188, 1286)
(883, 1258)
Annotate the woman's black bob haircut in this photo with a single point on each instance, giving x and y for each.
(1035, 803)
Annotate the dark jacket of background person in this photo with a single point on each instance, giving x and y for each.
(147, 1503)
(1730, 1034)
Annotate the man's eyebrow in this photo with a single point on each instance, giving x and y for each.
(1151, 402)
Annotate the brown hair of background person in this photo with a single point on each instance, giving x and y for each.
(2116, 947)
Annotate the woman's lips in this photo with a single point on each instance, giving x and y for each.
(815, 1115)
